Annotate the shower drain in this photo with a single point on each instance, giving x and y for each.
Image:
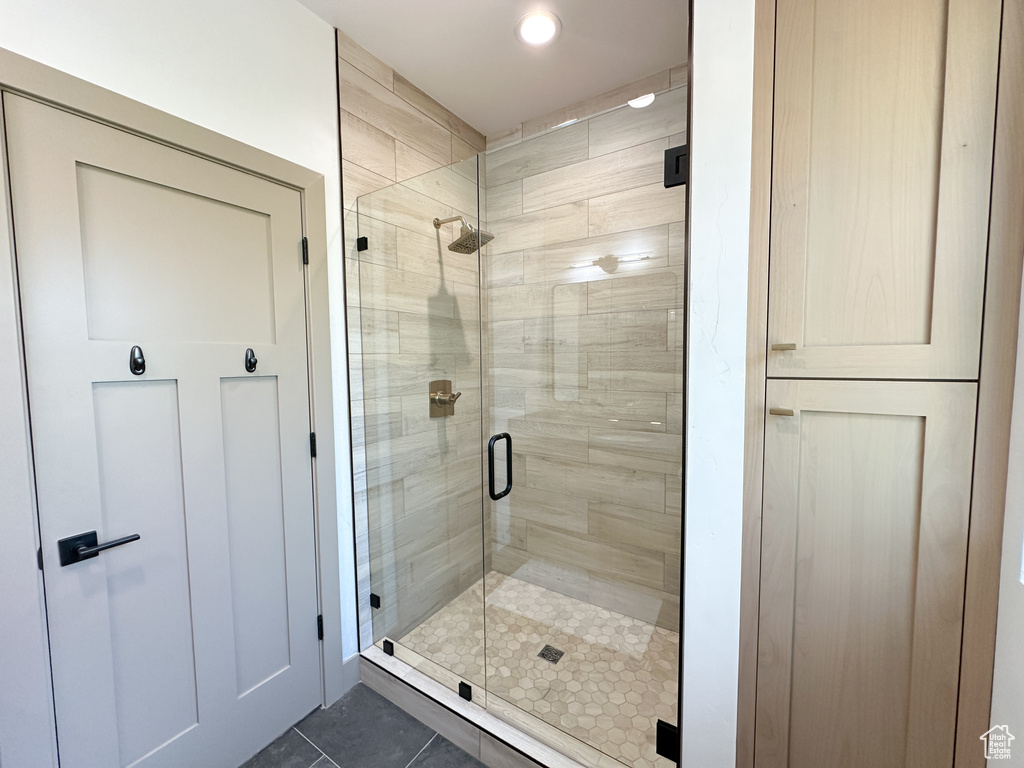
(550, 653)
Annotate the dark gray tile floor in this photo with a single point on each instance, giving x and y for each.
(362, 730)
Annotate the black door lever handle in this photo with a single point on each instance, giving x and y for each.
(85, 545)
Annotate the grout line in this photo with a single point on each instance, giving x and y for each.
(421, 751)
(294, 728)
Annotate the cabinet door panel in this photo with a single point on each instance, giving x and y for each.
(866, 504)
(882, 161)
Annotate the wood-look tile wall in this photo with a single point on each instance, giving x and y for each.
(413, 318)
(583, 366)
(583, 362)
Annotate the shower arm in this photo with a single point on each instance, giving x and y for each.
(450, 219)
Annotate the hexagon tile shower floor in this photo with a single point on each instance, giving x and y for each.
(617, 676)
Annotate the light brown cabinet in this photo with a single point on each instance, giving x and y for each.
(874, 245)
(866, 507)
(881, 176)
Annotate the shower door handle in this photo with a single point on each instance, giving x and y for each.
(508, 465)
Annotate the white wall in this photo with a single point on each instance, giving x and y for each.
(720, 140)
(259, 71)
(1008, 677)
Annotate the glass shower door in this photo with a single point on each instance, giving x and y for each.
(414, 322)
(554, 606)
(583, 367)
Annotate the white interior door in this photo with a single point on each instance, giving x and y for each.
(196, 644)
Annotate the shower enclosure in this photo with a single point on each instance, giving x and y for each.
(555, 350)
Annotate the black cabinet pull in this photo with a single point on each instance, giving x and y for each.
(85, 545)
(508, 465)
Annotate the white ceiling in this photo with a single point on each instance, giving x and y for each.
(465, 54)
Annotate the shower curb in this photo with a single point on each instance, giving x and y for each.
(486, 737)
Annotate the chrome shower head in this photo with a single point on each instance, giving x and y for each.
(469, 239)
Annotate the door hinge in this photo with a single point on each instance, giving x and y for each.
(466, 691)
(667, 741)
(362, 243)
(39, 557)
(312, 444)
(320, 627)
(305, 251)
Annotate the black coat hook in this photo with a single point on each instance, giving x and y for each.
(137, 361)
(250, 360)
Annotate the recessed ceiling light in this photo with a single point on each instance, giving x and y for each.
(538, 28)
(641, 101)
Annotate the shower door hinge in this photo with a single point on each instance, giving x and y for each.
(362, 243)
(312, 444)
(666, 742)
(39, 557)
(466, 691)
(320, 627)
(305, 251)
(677, 165)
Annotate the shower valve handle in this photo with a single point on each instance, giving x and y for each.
(446, 398)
